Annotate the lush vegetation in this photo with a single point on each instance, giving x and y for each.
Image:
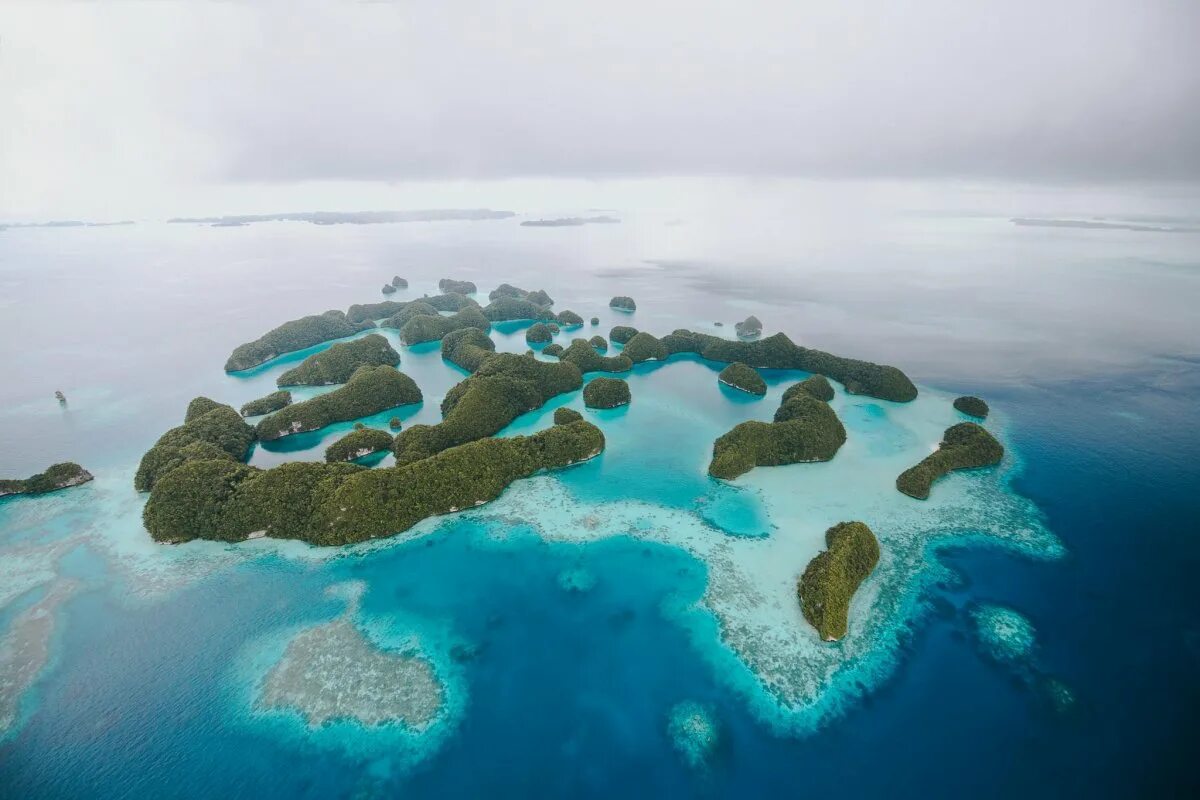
(504, 386)
(538, 297)
(833, 576)
(388, 289)
(467, 348)
(599, 343)
(553, 349)
(623, 303)
(394, 423)
(295, 335)
(369, 391)
(740, 376)
(972, 406)
(750, 327)
(449, 285)
(399, 283)
(211, 430)
(569, 319)
(565, 416)
(509, 308)
(622, 334)
(538, 332)
(964, 446)
(450, 301)
(360, 312)
(57, 476)
(358, 443)
(644, 347)
(339, 362)
(425, 328)
(265, 405)
(815, 385)
(606, 393)
(805, 429)
(584, 356)
(416, 308)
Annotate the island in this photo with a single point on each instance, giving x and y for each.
(449, 285)
(606, 393)
(595, 320)
(971, 406)
(966, 445)
(450, 301)
(622, 303)
(467, 348)
(265, 405)
(644, 347)
(358, 443)
(294, 335)
(210, 431)
(553, 349)
(401, 316)
(805, 429)
(427, 328)
(56, 476)
(339, 362)
(739, 376)
(399, 283)
(749, 328)
(569, 222)
(569, 319)
(816, 385)
(394, 423)
(565, 416)
(503, 309)
(621, 334)
(388, 289)
(584, 356)
(834, 575)
(361, 312)
(599, 343)
(538, 333)
(538, 297)
(371, 389)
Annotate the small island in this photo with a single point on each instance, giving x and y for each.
(363, 312)
(621, 334)
(972, 406)
(401, 316)
(357, 444)
(295, 335)
(599, 343)
(538, 333)
(56, 476)
(426, 328)
(450, 301)
(833, 576)
(449, 285)
(467, 348)
(739, 376)
(504, 309)
(622, 303)
(805, 429)
(394, 423)
(584, 356)
(399, 283)
(388, 289)
(964, 446)
(816, 385)
(537, 297)
(371, 389)
(339, 362)
(569, 319)
(210, 431)
(565, 416)
(606, 393)
(553, 349)
(265, 405)
(595, 320)
(749, 328)
(644, 347)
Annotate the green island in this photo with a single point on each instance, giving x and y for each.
(449, 285)
(265, 405)
(584, 356)
(565, 416)
(450, 301)
(210, 431)
(388, 289)
(537, 297)
(964, 446)
(343, 503)
(416, 308)
(371, 389)
(362, 312)
(553, 349)
(538, 333)
(740, 376)
(338, 363)
(358, 443)
(425, 328)
(816, 385)
(623, 303)
(394, 423)
(294, 335)
(606, 393)
(503, 309)
(805, 429)
(569, 319)
(621, 334)
(504, 386)
(749, 328)
(644, 347)
(467, 348)
(971, 406)
(834, 575)
(595, 320)
(600, 343)
(399, 283)
(56, 476)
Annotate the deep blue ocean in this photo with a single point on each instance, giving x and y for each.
(562, 659)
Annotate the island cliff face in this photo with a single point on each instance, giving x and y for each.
(56, 476)
(833, 576)
(295, 335)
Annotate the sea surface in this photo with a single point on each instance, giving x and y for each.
(628, 626)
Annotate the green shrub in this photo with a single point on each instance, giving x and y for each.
(507, 290)
(538, 332)
(416, 308)
(265, 405)
(295, 335)
(964, 446)
(361, 312)
(622, 334)
(606, 393)
(740, 376)
(569, 319)
(565, 416)
(56, 476)
(805, 429)
(623, 303)
(644, 347)
(425, 328)
(815, 385)
(358, 443)
(599, 343)
(218, 433)
(338, 363)
(833, 576)
(467, 347)
(451, 286)
(369, 391)
(584, 356)
(972, 406)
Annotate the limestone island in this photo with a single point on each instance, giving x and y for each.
(450, 301)
(644, 347)
(622, 303)
(210, 431)
(585, 357)
(388, 289)
(265, 405)
(340, 361)
(362, 312)
(294, 335)
(539, 333)
(358, 443)
(565, 416)
(369, 391)
(595, 320)
(749, 328)
(834, 575)
(569, 319)
(816, 385)
(606, 393)
(503, 309)
(399, 283)
(599, 343)
(459, 287)
(971, 406)
(964, 446)
(394, 423)
(56, 476)
(537, 297)
(739, 376)
(467, 348)
(416, 308)
(553, 349)
(621, 334)
(427, 328)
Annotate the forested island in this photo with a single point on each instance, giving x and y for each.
(964, 446)
(369, 390)
(295, 335)
(739, 376)
(265, 405)
(357, 444)
(56, 476)
(622, 303)
(606, 393)
(451, 286)
(337, 363)
(834, 575)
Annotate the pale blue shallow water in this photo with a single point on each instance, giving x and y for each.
(567, 620)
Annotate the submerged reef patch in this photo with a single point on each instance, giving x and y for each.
(694, 732)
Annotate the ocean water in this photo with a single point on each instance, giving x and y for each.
(627, 626)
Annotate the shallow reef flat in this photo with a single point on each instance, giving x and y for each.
(25, 651)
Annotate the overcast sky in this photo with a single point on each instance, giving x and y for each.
(133, 104)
